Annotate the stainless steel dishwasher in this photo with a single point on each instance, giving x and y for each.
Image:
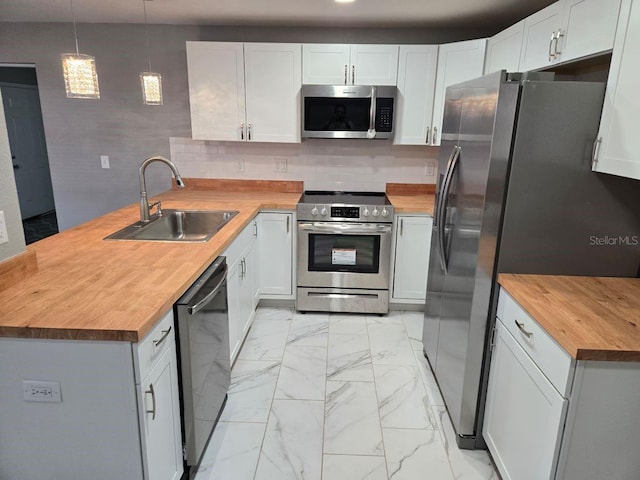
(203, 357)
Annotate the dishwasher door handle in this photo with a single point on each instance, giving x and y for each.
(200, 305)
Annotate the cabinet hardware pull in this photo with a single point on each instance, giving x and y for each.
(521, 328)
(346, 69)
(556, 52)
(153, 401)
(401, 226)
(242, 131)
(353, 75)
(595, 152)
(434, 136)
(255, 229)
(165, 334)
(243, 268)
(287, 224)
(249, 131)
(427, 139)
(553, 37)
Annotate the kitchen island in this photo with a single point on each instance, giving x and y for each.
(564, 379)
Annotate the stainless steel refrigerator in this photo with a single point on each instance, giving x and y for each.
(515, 194)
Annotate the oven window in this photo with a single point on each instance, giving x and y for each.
(344, 253)
(329, 114)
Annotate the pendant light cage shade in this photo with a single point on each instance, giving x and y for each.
(151, 88)
(80, 76)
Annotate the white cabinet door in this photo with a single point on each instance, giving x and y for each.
(339, 64)
(413, 243)
(588, 26)
(457, 62)
(272, 80)
(247, 293)
(159, 411)
(618, 151)
(503, 50)
(524, 414)
(374, 64)
(538, 44)
(276, 253)
(216, 90)
(414, 101)
(325, 64)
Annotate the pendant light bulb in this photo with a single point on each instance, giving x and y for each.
(79, 71)
(150, 82)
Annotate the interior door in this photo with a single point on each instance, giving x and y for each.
(28, 149)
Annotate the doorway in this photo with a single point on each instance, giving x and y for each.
(23, 114)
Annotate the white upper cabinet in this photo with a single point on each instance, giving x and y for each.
(216, 90)
(457, 62)
(273, 80)
(588, 27)
(503, 49)
(338, 64)
(567, 30)
(616, 151)
(540, 42)
(414, 101)
(244, 92)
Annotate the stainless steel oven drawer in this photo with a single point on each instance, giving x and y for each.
(342, 300)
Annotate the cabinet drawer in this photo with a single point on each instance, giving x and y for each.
(149, 350)
(556, 364)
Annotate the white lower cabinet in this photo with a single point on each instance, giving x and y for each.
(275, 238)
(524, 413)
(411, 258)
(548, 416)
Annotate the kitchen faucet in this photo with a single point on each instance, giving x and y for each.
(145, 208)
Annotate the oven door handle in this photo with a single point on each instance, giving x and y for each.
(193, 309)
(345, 228)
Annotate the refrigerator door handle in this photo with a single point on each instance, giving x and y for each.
(446, 186)
(436, 221)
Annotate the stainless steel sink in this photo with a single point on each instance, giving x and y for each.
(177, 226)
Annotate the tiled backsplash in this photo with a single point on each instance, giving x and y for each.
(322, 164)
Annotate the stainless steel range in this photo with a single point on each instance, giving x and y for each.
(344, 252)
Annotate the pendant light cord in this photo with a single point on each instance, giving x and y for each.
(146, 32)
(75, 30)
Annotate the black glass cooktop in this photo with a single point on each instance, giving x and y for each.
(347, 198)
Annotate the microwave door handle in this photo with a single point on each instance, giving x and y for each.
(372, 113)
(193, 309)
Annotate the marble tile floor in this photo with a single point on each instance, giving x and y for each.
(336, 397)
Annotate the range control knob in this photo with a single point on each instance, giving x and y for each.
(375, 212)
(365, 212)
(323, 212)
(314, 211)
(385, 212)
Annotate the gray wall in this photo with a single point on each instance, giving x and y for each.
(9, 197)
(118, 125)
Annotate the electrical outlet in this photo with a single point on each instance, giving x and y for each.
(429, 169)
(4, 236)
(104, 161)
(41, 391)
(281, 165)
(240, 165)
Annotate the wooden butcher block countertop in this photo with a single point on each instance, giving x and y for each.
(411, 198)
(592, 318)
(88, 288)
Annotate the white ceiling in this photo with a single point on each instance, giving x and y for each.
(361, 13)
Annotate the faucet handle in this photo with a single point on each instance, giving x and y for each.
(158, 206)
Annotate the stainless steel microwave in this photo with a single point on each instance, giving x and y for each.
(343, 111)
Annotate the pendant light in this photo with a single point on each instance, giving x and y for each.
(80, 76)
(151, 82)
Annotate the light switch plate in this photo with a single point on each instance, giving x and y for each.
(429, 169)
(4, 236)
(104, 161)
(281, 164)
